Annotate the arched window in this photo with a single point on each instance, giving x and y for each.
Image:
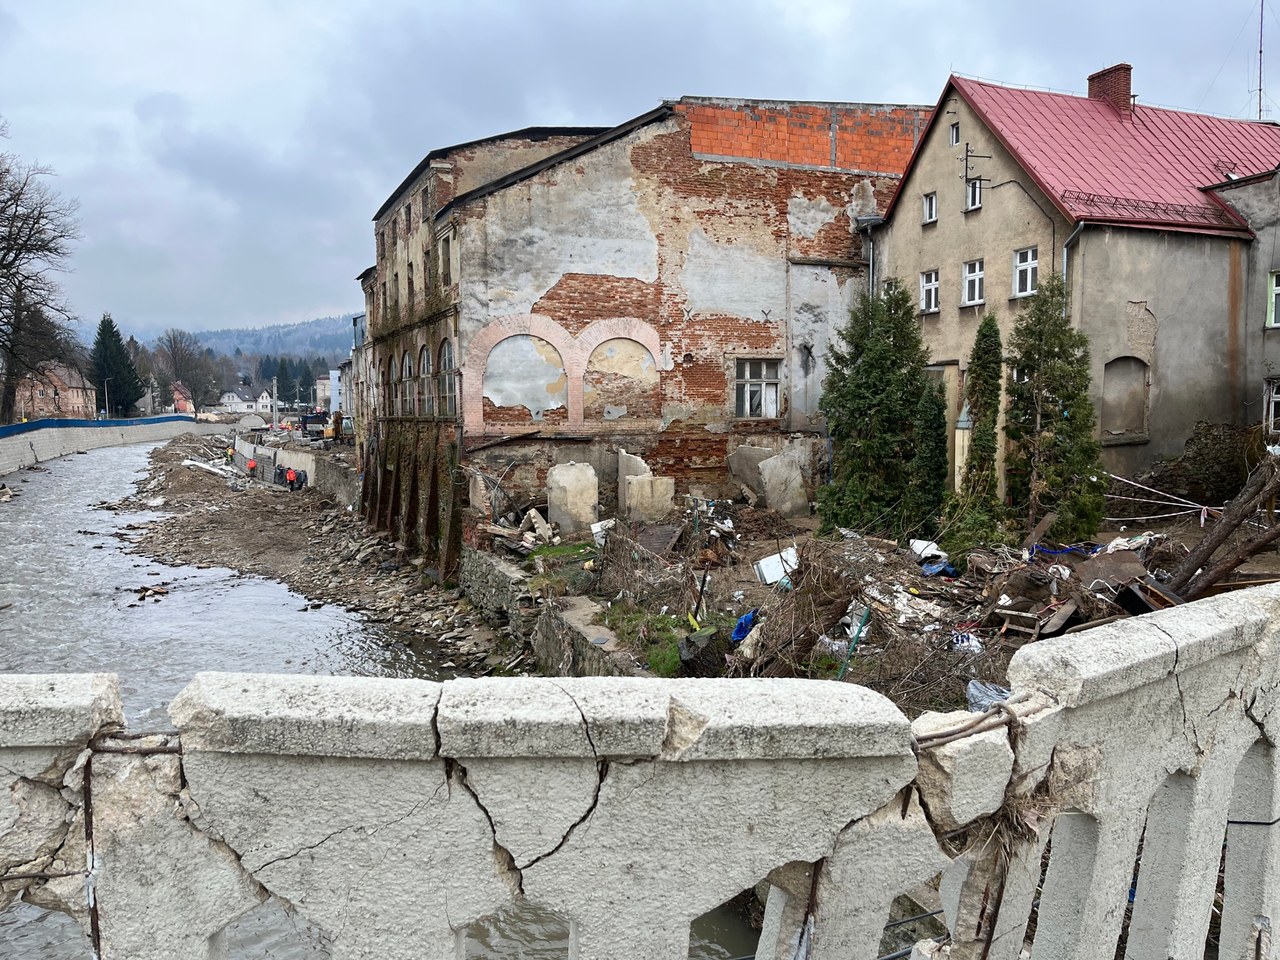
(408, 385)
(426, 389)
(446, 405)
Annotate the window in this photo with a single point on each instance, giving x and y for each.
(411, 298)
(446, 407)
(408, 217)
(1026, 265)
(395, 292)
(426, 390)
(382, 244)
(973, 194)
(395, 233)
(407, 385)
(929, 291)
(973, 284)
(930, 208)
(446, 272)
(955, 134)
(756, 389)
(384, 296)
(422, 203)
(1273, 295)
(1272, 410)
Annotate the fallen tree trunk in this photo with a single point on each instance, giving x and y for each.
(1195, 573)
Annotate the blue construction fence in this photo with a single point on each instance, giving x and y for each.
(14, 429)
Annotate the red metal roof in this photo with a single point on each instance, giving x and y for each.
(1147, 169)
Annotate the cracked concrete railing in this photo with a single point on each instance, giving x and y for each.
(1132, 800)
(391, 814)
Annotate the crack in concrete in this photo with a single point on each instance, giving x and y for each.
(502, 856)
(1182, 700)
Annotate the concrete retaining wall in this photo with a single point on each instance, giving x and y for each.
(631, 806)
(26, 444)
(341, 483)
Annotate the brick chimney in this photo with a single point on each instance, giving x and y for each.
(1114, 85)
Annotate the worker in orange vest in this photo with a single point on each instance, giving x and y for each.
(291, 478)
(251, 466)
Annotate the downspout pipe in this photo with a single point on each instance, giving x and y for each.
(864, 226)
(1066, 245)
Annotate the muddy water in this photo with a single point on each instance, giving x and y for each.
(75, 608)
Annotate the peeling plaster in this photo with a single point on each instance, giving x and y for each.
(525, 371)
(805, 216)
(732, 278)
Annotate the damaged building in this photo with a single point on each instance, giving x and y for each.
(666, 287)
(1162, 222)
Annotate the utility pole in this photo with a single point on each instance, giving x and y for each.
(275, 409)
(106, 389)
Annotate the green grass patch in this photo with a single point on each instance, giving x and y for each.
(655, 637)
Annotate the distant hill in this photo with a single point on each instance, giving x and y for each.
(328, 337)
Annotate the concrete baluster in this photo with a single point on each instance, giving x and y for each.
(1181, 851)
(1251, 889)
(786, 909)
(1086, 887)
(988, 894)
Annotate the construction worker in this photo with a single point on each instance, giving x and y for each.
(291, 478)
(230, 454)
(251, 466)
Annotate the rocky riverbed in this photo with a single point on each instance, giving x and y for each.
(305, 540)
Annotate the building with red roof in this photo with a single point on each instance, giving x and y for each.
(1143, 210)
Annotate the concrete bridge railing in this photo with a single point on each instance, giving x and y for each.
(1126, 792)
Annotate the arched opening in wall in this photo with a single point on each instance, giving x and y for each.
(525, 382)
(1126, 384)
(1157, 905)
(426, 391)
(408, 386)
(1250, 851)
(522, 929)
(273, 929)
(446, 395)
(621, 380)
(27, 930)
(730, 930)
(913, 916)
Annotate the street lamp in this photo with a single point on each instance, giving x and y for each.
(106, 390)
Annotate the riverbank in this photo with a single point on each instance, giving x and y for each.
(303, 539)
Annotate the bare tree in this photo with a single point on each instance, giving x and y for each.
(179, 355)
(37, 227)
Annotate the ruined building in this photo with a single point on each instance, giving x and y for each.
(667, 286)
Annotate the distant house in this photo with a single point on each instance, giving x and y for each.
(263, 402)
(58, 391)
(182, 399)
(237, 399)
(1153, 216)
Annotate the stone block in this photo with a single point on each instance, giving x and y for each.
(573, 497)
(628, 466)
(965, 779)
(784, 487)
(649, 498)
(744, 465)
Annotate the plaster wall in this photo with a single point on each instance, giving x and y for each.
(1176, 302)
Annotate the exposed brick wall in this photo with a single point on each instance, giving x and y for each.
(855, 137)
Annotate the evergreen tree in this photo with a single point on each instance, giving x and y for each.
(982, 391)
(111, 371)
(927, 471)
(871, 400)
(1054, 458)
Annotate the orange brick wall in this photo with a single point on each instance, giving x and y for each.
(864, 138)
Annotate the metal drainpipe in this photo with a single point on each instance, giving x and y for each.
(865, 229)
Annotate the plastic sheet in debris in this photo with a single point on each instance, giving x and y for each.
(983, 694)
(771, 569)
(928, 550)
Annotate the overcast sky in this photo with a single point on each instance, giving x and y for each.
(228, 155)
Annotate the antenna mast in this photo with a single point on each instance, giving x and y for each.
(1262, 9)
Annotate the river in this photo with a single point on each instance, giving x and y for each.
(74, 606)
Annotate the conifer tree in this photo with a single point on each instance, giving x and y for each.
(111, 370)
(1054, 457)
(871, 400)
(927, 471)
(982, 391)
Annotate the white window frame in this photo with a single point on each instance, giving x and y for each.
(974, 274)
(930, 292)
(973, 193)
(955, 134)
(1026, 271)
(1273, 300)
(1271, 409)
(757, 388)
(930, 212)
